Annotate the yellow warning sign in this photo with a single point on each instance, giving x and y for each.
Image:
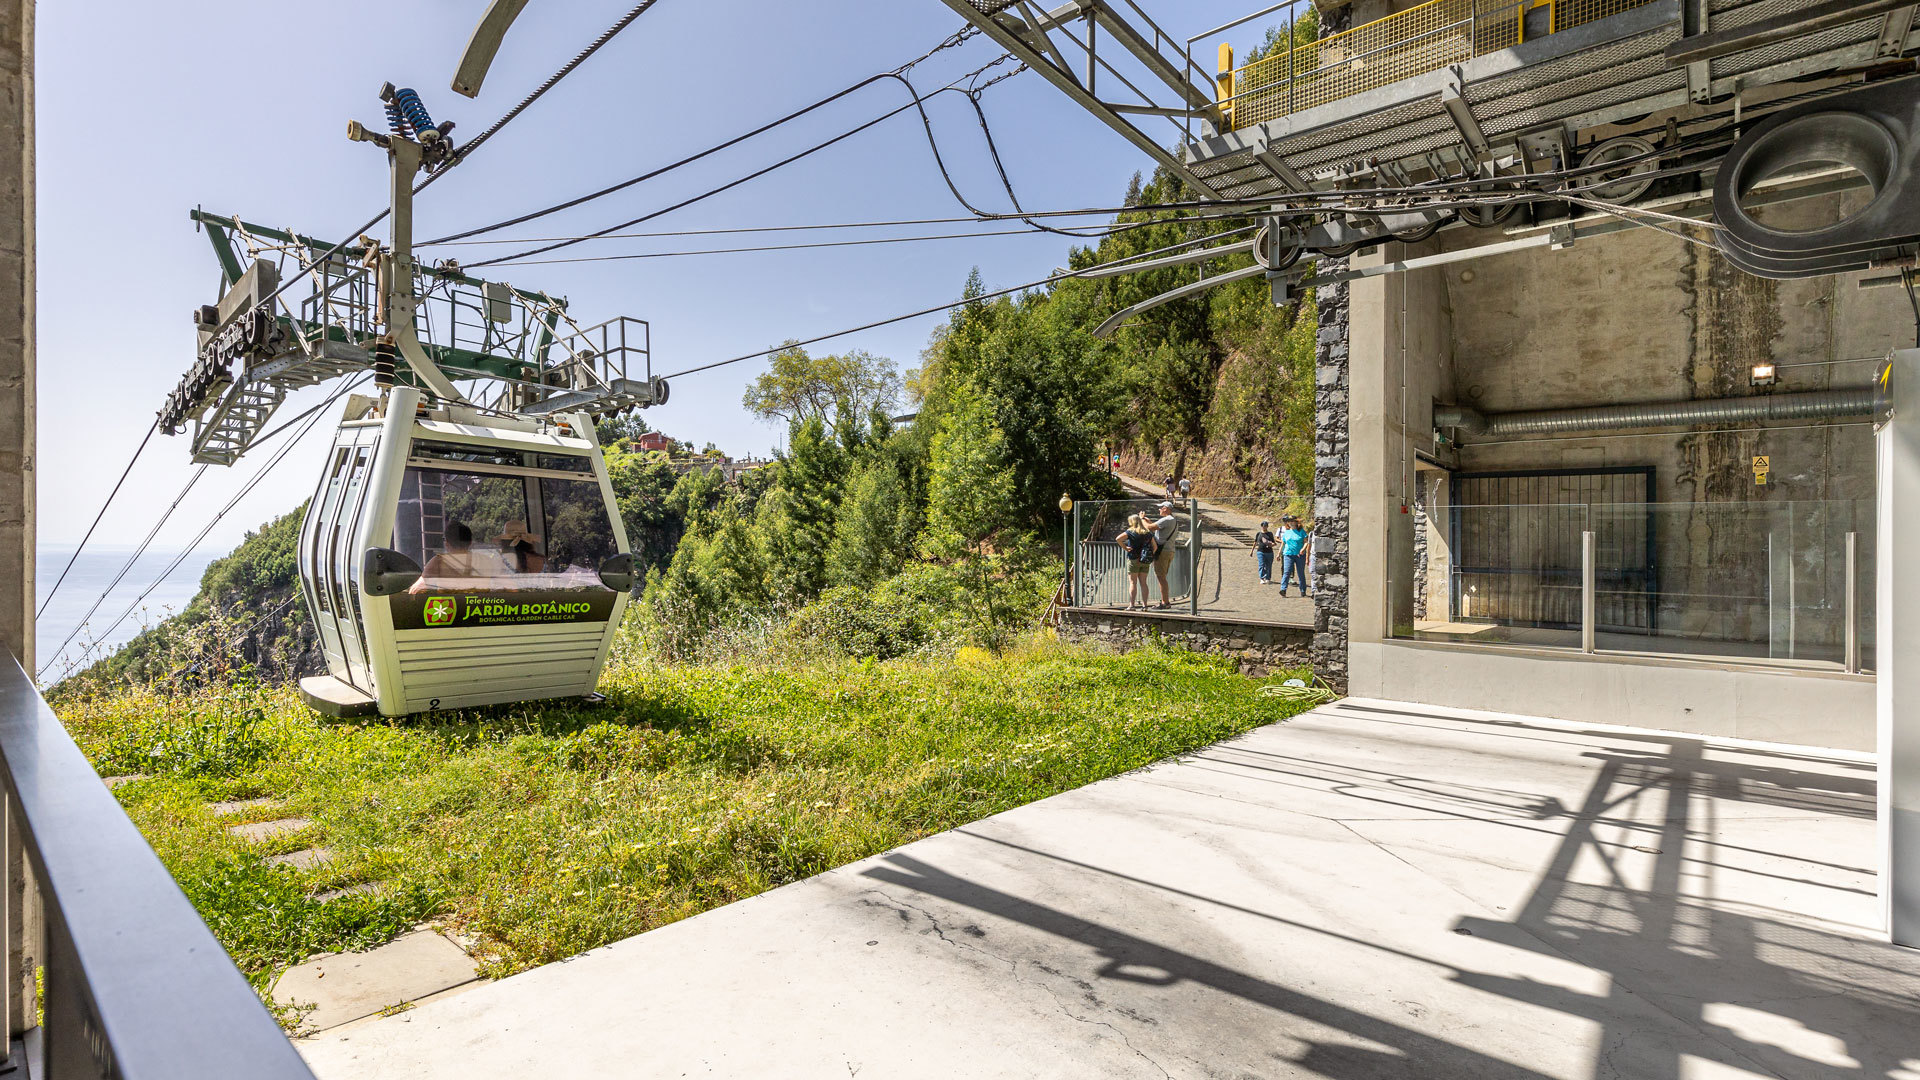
(1762, 463)
(1760, 479)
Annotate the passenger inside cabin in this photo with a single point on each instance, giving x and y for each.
(457, 560)
(521, 549)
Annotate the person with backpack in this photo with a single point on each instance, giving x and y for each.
(1263, 542)
(1140, 547)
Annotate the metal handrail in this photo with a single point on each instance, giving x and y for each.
(1473, 21)
(135, 985)
(1336, 65)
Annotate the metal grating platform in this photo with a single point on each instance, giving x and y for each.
(1606, 69)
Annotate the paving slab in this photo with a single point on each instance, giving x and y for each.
(258, 831)
(1370, 890)
(239, 806)
(349, 986)
(304, 859)
(365, 888)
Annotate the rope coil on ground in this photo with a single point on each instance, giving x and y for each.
(1298, 692)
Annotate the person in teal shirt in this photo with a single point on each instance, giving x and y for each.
(1293, 554)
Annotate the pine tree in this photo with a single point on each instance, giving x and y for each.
(874, 531)
(970, 488)
(798, 516)
(732, 572)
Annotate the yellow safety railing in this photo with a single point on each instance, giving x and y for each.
(1412, 42)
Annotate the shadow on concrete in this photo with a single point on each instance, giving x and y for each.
(1747, 989)
(1134, 959)
(1800, 1000)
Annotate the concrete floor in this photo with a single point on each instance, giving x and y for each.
(1369, 890)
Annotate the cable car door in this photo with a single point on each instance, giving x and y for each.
(342, 573)
(313, 560)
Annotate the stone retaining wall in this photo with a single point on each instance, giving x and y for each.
(1331, 457)
(1259, 649)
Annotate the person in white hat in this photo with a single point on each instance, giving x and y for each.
(521, 548)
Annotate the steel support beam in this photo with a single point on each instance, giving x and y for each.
(1068, 84)
(1713, 44)
(1455, 102)
(1151, 57)
(1693, 23)
(1038, 36)
(1894, 32)
(1282, 171)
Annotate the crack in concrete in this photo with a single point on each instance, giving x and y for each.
(902, 908)
(1013, 967)
(1071, 1015)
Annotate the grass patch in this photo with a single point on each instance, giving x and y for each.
(546, 829)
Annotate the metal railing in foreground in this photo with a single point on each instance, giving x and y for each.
(135, 987)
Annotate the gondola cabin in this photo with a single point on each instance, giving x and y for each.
(454, 557)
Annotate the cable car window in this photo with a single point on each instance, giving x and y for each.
(475, 455)
(481, 532)
(578, 530)
(565, 462)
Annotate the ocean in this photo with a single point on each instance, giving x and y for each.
(85, 585)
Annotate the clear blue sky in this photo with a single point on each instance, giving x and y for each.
(147, 110)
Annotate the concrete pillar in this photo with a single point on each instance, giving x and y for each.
(19, 902)
(16, 330)
(1897, 645)
(1400, 360)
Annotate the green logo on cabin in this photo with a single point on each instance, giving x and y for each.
(440, 610)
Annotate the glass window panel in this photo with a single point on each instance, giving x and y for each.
(579, 533)
(476, 455)
(480, 532)
(565, 462)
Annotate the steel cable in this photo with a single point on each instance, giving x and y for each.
(245, 490)
(117, 578)
(917, 103)
(459, 155)
(96, 520)
(552, 80)
(1084, 272)
(569, 204)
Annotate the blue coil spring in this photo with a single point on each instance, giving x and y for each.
(414, 112)
(397, 121)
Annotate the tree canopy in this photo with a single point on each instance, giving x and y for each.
(798, 387)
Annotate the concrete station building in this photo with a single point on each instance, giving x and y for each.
(1604, 456)
(1723, 601)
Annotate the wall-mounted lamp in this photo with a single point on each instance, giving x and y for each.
(1764, 375)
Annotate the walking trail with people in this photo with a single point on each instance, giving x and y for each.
(1231, 581)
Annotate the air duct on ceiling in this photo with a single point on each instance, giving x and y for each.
(1815, 405)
